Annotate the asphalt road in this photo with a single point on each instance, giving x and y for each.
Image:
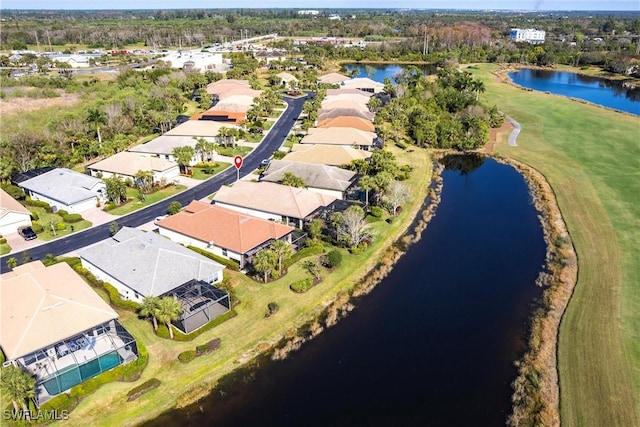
(272, 141)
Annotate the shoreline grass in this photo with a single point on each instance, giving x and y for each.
(589, 155)
(249, 333)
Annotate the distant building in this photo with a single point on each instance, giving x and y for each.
(529, 35)
(309, 12)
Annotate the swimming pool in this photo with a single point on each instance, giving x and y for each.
(74, 375)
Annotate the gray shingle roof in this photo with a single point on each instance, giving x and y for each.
(313, 174)
(63, 185)
(147, 262)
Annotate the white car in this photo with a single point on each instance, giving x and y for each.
(159, 218)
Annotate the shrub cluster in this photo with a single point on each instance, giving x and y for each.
(333, 258)
(30, 202)
(163, 332)
(201, 350)
(108, 206)
(3, 241)
(316, 249)
(187, 356)
(301, 286)
(224, 261)
(70, 218)
(114, 295)
(377, 211)
(36, 227)
(143, 388)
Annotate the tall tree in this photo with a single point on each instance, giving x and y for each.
(397, 193)
(144, 180)
(264, 262)
(18, 386)
(96, 117)
(183, 156)
(367, 183)
(116, 189)
(169, 309)
(283, 251)
(354, 229)
(149, 308)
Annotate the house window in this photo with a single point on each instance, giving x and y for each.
(137, 296)
(224, 252)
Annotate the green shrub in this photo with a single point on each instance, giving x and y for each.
(272, 308)
(13, 190)
(212, 345)
(108, 206)
(35, 216)
(301, 285)
(62, 402)
(46, 206)
(163, 331)
(116, 299)
(3, 241)
(72, 261)
(224, 261)
(2, 358)
(187, 356)
(377, 211)
(61, 226)
(316, 249)
(62, 213)
(36, 227)
(279, 155)
(334, 258)
(71, 218)
(143, 388)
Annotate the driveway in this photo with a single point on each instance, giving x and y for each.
(143, 217)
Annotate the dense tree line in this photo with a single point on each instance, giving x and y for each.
(444, 113)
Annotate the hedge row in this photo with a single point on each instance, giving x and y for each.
(114, 295)
(187, 356)
(3, 241)
(143, 388)
(70, 218)
(316, 249)
(224, 261)
(301, 286)
(30, 202)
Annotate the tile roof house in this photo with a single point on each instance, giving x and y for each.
(333, 104)
(198, 128)
(360, 100)
(57, 328)
(228, 87)
(232, 109)
(341, 136)
(332, 78)
(335, 155)
(317, 177)
(363, 83)
(222, 231)
(348, 122)
(331, 113)
(66, 189)
(272, 201)
(269, 56)
(127, 164)
(12, 214)
(343, 91)
(285, 78)
(140, 264)
(164, 145)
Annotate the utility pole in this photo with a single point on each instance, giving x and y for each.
(37, 41)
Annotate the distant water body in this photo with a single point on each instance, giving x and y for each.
(433, 344)
(608, 93)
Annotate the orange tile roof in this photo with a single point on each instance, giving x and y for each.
(226, 228)
(348, 122)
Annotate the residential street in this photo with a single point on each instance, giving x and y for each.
(271, 142)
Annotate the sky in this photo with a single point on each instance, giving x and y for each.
(633, 5)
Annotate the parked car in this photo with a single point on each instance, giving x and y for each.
(265, 163)
(27, 233)
(159, 218)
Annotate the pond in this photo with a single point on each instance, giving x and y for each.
(606, 92)
(379, 72)
(433, 344)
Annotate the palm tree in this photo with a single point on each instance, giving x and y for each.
(97, 117)
(264, 261)
(17, 385)
(169, 309)
(477, 87)
(148, 308)
(283, 251)
(367, 183)
(183, 157)
(291, 180)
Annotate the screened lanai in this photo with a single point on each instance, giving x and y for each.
(201, 303)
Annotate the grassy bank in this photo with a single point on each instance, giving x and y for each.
(247, 334)
(589, 155)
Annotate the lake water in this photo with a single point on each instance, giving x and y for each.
(605, 92)
(379, 72)
(433, 344)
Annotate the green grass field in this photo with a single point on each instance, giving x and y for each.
(134, 204)
(245, 335)
(198, 173)
(591, 158)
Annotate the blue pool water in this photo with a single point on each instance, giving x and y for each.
(74, 375)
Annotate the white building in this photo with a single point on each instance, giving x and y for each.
(528, 35)
(196, 59)
(309, 12)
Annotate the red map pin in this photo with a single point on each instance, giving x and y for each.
(237, 161)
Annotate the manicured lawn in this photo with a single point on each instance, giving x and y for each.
(245, 335)
(45, 219)
(230, 151)
(591, 158)
(254, 137)
(134, 204)
(198, 173)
